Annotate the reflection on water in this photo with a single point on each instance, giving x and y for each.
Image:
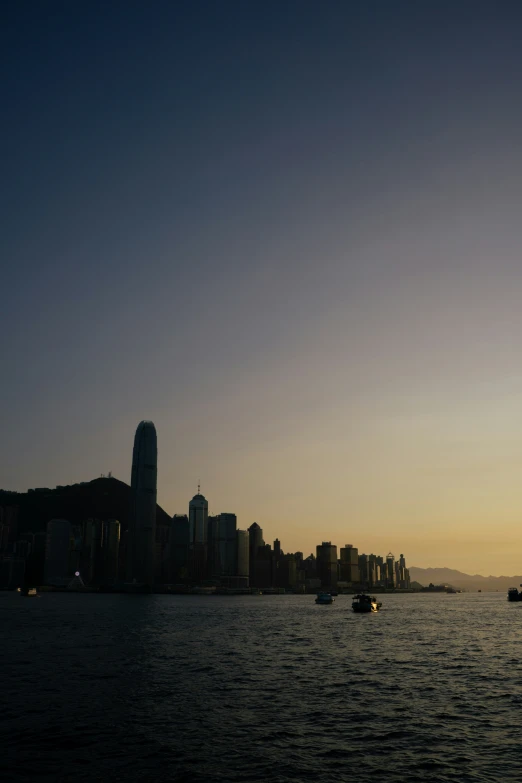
(260, 688)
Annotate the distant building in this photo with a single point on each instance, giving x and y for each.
(95, 574)
(35, 562)
(213, 552)
(4, 537)
(264, 567)
(349, 565)
(327, 564)
(179, 541)
(8, 528)
(309, 566)
(255, 534)
(227, 538)
(390, 570)
(85, 566)
(403, 574)
(57, 552)
(380, 571)
(285, 569)
(22, 548)
(161, 561)
(243, 557)
(75, 548)
(100, 549)
(141, 542)
(198, 531)
(12, 572)
(111, 550)
(374, 571)
(364, 569)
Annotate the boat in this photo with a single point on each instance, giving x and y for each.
(514, 594)
(28, 592)
(365, 603)
(324, 598)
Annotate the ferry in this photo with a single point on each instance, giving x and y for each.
(365, 603)
(324, 598)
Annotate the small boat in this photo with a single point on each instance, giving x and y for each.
(324, 598)
(365, 603)
(514, 595)
(28, 592)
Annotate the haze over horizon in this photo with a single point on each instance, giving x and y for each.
(288, 233)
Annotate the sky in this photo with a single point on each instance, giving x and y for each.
(289, 233)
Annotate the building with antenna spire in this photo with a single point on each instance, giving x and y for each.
(198, 533)
(142, 529)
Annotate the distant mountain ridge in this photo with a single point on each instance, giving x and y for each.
(461, 580)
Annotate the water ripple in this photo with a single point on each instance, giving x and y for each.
(248, 689)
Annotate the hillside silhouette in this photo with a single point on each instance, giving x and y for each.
(463, 581)
(102, 498)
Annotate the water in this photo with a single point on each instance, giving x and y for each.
(260, 688)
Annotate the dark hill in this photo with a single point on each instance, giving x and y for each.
(103, 498)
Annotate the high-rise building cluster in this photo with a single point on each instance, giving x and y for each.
(91, 548)
(353, 569)
(194, 549)
(53, 557)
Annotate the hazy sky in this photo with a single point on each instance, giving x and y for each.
(290, 234)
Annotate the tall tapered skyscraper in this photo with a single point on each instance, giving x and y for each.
(142, 533)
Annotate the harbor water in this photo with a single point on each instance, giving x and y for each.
(260, 688)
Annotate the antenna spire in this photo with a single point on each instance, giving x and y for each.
(199, 485)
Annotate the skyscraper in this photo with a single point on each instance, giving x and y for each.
(350, 564)
(213, 553)
(141, 541)
(198, 526)
(264, 567)
(111, 549)
(374, 570)
(327, 564)
(285, 571)
(243, 558)
(227, 538)
(179, 542)
(364, 569)
(390, 570)
(404, 574)
(57, 552)
(255, 541)
(96, 538)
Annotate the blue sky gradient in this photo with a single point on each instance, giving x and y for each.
(288, 233)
